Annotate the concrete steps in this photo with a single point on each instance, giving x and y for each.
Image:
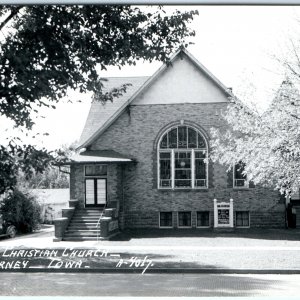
(83, 224)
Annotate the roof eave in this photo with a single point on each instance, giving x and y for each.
(148, 82)
(112, 119)
(69, 163)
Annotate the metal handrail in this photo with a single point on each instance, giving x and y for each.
(98, 223)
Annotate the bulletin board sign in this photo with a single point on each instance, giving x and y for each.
(223, 213)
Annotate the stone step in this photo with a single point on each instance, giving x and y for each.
(82, 226)
(81, 238)
(82, 223)
(91, 211)
(88, 211)
(81, 233)
(89, 220)
(87, 214)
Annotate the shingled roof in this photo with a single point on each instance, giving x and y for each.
(100, 113)
(101, 116)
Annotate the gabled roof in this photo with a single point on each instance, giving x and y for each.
(100, 118)
(100, 114)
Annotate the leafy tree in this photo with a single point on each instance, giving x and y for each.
(268, 143)
(53, 48)
(50, 49)
(51, 177)
(21, 210)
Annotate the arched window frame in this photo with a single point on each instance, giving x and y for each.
(193, 153)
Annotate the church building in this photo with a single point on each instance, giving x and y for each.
(144, 161)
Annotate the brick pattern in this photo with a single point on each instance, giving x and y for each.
(135, 134)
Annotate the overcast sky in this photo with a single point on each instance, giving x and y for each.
(236, 43)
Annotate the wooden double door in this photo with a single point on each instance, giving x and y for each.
(95, 192)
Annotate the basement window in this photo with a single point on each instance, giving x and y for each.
(184, 219)
(165, 219)
(242, 219)
(202, 218)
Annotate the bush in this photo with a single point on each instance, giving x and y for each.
(22, 210)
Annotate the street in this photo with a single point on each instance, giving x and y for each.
(176, 285)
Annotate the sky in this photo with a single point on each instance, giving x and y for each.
(240, 45)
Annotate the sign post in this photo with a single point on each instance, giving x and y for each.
(223, 214)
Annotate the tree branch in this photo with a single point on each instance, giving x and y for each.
(13, 13)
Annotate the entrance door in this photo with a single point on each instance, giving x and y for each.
(95, 192)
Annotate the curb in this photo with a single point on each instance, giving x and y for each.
(153, 271)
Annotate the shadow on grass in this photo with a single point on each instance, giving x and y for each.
(264, 234)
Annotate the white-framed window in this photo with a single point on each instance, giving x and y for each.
(182, 151)
(242, 219)
(239, 179)
(203, 219)
(184, 219)
(95, 170)
(165, 219)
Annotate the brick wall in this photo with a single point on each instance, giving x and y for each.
(135, 134)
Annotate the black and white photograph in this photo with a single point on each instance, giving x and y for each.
(149, 150)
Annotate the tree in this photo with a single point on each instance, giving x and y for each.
(268, 143)
(52, 177)
(26, 160)
(53, 48)
(21, 210)
(50, 49)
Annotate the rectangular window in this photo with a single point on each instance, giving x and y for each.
(183, 171)
(165, 219)
(95, 170)
(165, 169)
(184, 219)
(202, 218)
(239, 179)
(200, 169)
(242, 219)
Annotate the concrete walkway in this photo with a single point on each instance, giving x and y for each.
(250, 251)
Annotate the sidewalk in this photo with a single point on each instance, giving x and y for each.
(243, 251)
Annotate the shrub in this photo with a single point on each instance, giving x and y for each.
(22, 210)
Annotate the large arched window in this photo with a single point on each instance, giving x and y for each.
(182, 151)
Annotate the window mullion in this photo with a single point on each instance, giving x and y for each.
(206, 168)
(173, 168)
(158, 169)
(193, 168)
